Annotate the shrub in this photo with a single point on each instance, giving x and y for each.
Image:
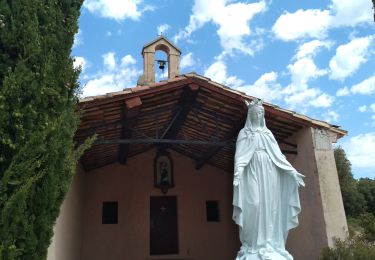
(350, 249)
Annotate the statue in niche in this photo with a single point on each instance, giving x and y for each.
(265, 193)
(164, 176)
(163, 171)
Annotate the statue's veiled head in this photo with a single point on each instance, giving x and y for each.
(255, 115)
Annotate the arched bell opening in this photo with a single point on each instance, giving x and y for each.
(165, 55)
(161, 65)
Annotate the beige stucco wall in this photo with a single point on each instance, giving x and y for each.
(67, 239)
(333, 207)
(132, 186)
(322, 216)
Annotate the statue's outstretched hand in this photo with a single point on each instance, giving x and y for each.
(299, 179)
(237, 177)
(236, 181)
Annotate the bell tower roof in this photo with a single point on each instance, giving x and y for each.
(162, 40)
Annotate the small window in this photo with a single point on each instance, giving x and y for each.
(109, 212)
(212, 211)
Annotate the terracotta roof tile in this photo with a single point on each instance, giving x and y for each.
(193, 75)
(139, 88)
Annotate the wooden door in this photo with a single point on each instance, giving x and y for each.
(163, 225)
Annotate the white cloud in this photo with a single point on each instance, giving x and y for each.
(78, 39)
(187, 61)
(361, 149)
(372, 109)
(80, 62)
(109, 60)
(163, 28)
(303, 70)
(362, 108)
(302, 23)
(304, 97)
(116, 9)
(349, 57)
(231, 18)
(233, 25)
(351, 12)
(217, 71)
(300, 97)
(343, 92)
(100, 85)
(266, 87)
(298, 94)
(315, 23)
(366, 87)
(322, 100)
(331, 116)
(127, 60)
(202, 14)
(115, 76)
(311, 48)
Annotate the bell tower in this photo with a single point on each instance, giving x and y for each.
(148, 52)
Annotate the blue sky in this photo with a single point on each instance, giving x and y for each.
(313, 57)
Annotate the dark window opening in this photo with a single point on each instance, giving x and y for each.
(109, 212)
(212, 211)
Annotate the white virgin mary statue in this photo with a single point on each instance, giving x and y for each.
(266, 201)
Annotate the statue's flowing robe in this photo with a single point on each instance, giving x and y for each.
(266, 201)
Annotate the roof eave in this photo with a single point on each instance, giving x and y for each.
(140, 90)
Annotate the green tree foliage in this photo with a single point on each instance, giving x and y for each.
(354, 202)
(367, 222)
(36, 74)
(366, 187)
(359, 199)
(37, 121)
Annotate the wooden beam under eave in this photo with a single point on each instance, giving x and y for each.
(131, 109)
(214, 150)
(185, 103)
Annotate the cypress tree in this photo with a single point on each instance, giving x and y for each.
(38, 87)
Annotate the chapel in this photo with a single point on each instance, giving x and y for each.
(157, 183)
